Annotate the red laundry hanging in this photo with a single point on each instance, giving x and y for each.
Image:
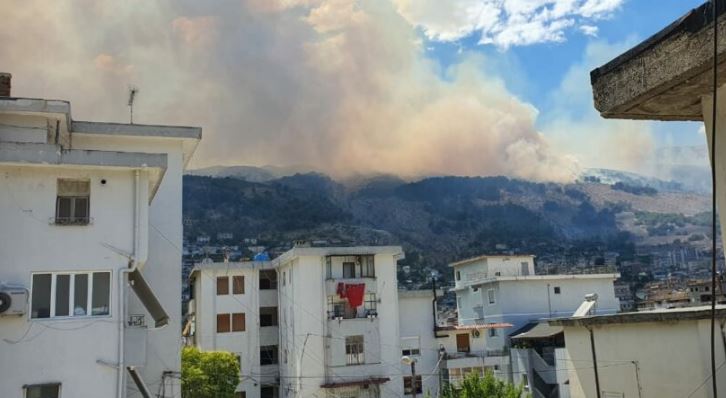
(355, 293)
(340, 290)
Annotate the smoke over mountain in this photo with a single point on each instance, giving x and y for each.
(341, 85)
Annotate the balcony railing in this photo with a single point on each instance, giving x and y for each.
(339, 315)
(468, 354)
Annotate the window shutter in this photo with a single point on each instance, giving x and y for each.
(238, 322)
(238, 285)
(222, 285)
(222, 323)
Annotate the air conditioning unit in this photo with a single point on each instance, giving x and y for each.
(476, 333)
(13, 300)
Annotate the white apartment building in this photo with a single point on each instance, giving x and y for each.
(234, 308)
(90, 240)
(493, 290)
(297, 333)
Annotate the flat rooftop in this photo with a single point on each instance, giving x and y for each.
(659, 315)
(486, 256)
(526, 278)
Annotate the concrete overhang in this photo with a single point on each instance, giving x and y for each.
(665, 76)
(45, 155)
(34, 106)
(189, 136)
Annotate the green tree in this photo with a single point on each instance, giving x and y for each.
(212, 374)
(475, 386)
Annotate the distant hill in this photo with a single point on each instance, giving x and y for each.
(441, 219)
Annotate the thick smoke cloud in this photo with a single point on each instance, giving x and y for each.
(341, 86)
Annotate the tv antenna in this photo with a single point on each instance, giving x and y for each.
(132, 95)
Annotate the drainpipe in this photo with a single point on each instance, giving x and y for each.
(594, 361)
(137, 259)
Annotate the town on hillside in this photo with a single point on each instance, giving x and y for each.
(127, 272)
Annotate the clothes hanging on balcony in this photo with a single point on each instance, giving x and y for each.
(355, 293)
(340, 290)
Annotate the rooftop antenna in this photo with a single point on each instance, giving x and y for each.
(132, 95)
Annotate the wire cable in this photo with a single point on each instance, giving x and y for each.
(714, 12)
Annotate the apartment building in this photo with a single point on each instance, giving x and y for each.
(505, 290)
(329, 322)
(90, 237)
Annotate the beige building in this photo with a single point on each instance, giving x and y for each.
(661, 353)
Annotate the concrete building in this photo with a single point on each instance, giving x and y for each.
(297, 333)
(90, 235)
(504, 290)
(660, 353)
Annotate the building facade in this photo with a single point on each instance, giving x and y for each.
(90, 236)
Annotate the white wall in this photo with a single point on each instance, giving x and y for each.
(38, 351)
(417, 320)
(163, 269)
(673, 359)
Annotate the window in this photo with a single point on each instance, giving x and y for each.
(238, 284)
(238, 322)
(328, 268)
(348, 270)
(492, 332)
(222, 285)
(408, 386)
(268, 316)
(43, 391)
(367, 267)
(525, 268)
(492, 297)
(525, 381)
(223, 323)
(371, 304)
(72, 202)
(458, 275)
(410, 346)
(268, 279)
(284, 278)
(557, 290)
(354, 350)
(268, 355)
(268, 392)
(240, 394)
(70, 294)
(340, 308)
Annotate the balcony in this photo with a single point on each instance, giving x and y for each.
(362, 313)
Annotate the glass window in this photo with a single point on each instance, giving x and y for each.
(354, 350)
(101, 293)
(368, 268)
(80, 295)
(62, 295)
(268, 316)
(557, 290)
(410, 346)
(72, 203)
(43, 391)
(268, 355)
(492, 297)
(371, 304)
(41, 296)
(348, 270)
(408, 386)
(268, 280)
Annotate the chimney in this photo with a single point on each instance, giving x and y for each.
(5, 84)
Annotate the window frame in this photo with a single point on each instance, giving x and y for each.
(71, 294)
(409, 384)
(349, 265)
(222, 281)
(411, 349)
(58, 386)
(355, 350)
(236, 284)
(71, 218)
(274, 360)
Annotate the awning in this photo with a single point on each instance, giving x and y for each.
(541, 330)
(365, 382)
(500, 325)
(148, 299)
(140, 385)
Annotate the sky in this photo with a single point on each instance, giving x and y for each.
(350, 87)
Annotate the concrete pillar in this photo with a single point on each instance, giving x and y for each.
(720, 165)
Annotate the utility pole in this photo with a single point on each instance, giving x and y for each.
(594, 362)
(132, 95)
(413, 378)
